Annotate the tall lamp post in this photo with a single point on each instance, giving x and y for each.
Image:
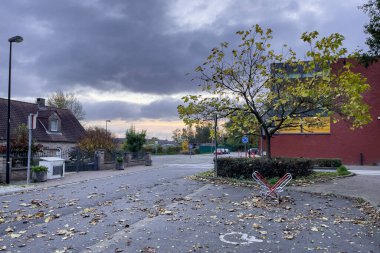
(16, 39)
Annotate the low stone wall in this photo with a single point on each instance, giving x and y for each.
(18, 173)
(107, 166)
(129, 162)
(15, 173)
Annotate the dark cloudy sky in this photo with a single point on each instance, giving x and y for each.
(127, 60)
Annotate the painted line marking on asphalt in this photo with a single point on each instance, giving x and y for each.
(118, 236)
(244, 238)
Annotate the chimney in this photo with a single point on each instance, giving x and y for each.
(41, 102)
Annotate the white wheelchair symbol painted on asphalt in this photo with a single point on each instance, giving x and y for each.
(244, 238)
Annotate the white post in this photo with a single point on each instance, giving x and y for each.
(32, 122)
(30, 126)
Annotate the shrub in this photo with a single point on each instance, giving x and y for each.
(119, 159)
(277, 167)
(134, 141)
(39, 168)
(342, 171)
(327, 162)
(173, 150)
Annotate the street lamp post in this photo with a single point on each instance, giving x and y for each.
(16, 39)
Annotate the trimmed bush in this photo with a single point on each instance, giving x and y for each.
(327, 162)
(242, 168)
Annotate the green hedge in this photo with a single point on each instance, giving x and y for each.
(327, 162)
(170, 150)
(243, 168)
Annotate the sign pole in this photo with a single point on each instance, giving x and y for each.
(245, 141)
(216, 145)
(32, 122)
(30, 125)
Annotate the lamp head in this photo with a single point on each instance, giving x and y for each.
(16, 39)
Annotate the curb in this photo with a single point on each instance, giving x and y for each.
(374, 205)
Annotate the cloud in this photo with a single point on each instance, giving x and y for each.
(160, 109)
(118, 47)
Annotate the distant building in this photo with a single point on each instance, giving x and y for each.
(360, 146)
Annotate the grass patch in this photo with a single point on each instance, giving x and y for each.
(361, 200)
(209, 173)
(315, 177)
(273, 181)
(342, 171)
(208, 176)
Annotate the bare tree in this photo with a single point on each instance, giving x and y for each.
(68, 101)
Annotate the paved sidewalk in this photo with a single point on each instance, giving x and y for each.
(366, 187)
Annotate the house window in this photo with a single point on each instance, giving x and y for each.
(54, 123)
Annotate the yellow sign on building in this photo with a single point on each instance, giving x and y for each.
(308, 125)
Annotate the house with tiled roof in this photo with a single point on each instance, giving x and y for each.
(56, 129)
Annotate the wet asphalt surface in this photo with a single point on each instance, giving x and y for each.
(159, 210)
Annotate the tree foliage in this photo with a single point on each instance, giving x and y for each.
(180, 135)
(201, 134)
(372, 8)
(234, 133)
(96, 138)
(68, 101)
(134, 141)
(20, 140)
(257, 88)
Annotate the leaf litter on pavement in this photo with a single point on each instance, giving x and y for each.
(270, 219)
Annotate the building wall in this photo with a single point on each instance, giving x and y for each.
(349, 145)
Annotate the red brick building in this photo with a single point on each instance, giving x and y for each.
(360, 146)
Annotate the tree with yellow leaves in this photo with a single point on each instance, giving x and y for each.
(256, 87)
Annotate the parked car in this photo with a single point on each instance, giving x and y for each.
(253, 151)
(226, 151)
(219, 151)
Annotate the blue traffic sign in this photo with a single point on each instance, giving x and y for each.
(244, 139)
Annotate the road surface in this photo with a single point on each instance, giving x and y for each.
(160, 210)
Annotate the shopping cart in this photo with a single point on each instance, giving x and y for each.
(266, 189)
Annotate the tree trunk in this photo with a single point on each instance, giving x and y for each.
(269, 155)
